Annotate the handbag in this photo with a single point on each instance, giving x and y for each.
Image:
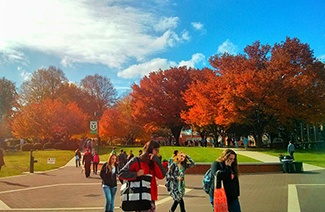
(135, 194)
(220, 199)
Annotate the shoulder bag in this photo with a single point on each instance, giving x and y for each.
(220, 199)
(135, 194)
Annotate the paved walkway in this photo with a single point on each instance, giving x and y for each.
(67, 189)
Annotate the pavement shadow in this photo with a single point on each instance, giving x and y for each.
(46, 174)
(14, 184)
(310, 172)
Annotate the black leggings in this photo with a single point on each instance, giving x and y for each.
(181, 204)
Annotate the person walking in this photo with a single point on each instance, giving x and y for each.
(291, 149)
(77, 155)
(86, 161)
(95, 162)
(175, 179)
(171, 160)
(122, 160)
(226, 168)
(108, 174)
(150, 164)
(130, 156)
(2, 161)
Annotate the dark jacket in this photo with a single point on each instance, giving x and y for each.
(108, 178)
(230, 182)
(87, 159)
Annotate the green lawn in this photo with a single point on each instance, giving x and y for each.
(313, 157)
(18, 162)
(198, 154)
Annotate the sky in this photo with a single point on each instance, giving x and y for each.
(125, 40)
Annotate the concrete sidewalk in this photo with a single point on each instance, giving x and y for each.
(67, 189)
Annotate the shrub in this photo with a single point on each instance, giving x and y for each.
(27, 147)
(59, 145)
(71, 145)
(38, 146)
(48, 145)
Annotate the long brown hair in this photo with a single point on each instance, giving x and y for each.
(225, 155)
(109, 161)
(148, 149)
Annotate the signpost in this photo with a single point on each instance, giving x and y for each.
(93, 127)
(94, 130)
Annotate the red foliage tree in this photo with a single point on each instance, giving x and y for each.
(158, 101)
(266, 86)
(49, 119)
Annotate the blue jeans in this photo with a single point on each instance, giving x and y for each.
(109, 193)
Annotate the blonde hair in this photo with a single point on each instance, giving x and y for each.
(176, 158)
(109, 161)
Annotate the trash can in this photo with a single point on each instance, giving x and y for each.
(287, 164)
(298, 166)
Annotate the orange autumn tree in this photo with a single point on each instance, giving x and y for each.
(158, 101)
(201, 100)
(118, 122)
(264, 87)
(49, 119)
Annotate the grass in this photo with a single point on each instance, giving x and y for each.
(313, 157)
(198, 154)
(19, 162)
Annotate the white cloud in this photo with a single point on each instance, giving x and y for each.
(167, 23)
(13, 56)
(106, 32)
(228, 47)
(322, 58)
(140, 70)
(197, 26)
(24, 74)
(196, 58)
(143, 69)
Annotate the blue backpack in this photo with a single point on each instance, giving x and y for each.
(208, 181)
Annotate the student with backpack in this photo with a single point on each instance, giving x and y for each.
(226, 167)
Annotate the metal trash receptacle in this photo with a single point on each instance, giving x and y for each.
(298, 166)
(287, 165)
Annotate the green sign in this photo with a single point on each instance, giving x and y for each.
(93, 127)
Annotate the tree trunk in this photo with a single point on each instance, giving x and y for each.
(176, 131)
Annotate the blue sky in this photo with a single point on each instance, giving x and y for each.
(126, 39)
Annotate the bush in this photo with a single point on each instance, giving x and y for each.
(27, 147)
(38, 146)
(72, 145)
(48, 145)
(59, 145)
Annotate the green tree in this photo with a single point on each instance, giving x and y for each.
(43, 84)
(8, 100)
(101, 92)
